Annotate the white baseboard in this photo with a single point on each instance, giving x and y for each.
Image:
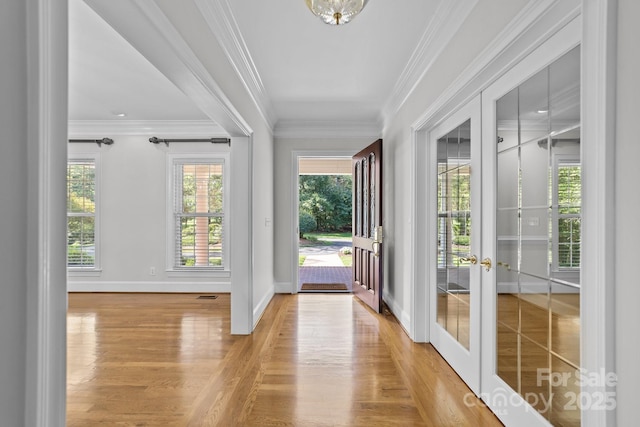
(403, 316)
(128, 286)
(262, 306)
(283, 288)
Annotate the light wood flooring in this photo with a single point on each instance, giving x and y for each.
(313, 360)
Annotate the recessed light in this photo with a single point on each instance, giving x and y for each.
(542, 111)
(120, 114)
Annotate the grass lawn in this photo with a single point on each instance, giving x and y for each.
(328, 236)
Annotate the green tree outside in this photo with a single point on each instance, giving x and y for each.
(326, 198)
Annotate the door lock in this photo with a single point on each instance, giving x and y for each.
(377, 240)
(486, 263)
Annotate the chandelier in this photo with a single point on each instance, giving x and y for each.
(336, 12)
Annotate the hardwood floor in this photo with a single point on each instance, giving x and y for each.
(313, 360)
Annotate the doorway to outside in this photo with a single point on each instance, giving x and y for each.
(324, 224)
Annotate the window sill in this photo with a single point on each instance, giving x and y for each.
(199, 273)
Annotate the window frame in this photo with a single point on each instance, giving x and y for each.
(172, 269)
(95, 269)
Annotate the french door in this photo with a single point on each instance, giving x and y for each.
(531, 318)
(455, 184)
(505, 184)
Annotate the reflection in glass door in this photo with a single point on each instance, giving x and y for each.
(538, 215)
(455, 185)
(454, 232)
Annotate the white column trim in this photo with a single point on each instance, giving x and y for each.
(599, 38)
(241, 232)
(45, 390)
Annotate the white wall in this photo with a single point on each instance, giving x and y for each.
(627, 207)
(132, 198)
(284, 224)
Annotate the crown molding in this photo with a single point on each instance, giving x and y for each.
(538, 20)
(288, 129)
(220, 19)
(448, 18)
(92, 128)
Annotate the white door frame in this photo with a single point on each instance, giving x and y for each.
(295, 202)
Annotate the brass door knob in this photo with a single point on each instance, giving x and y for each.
(486, 263)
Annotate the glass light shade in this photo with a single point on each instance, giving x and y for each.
(336, 12)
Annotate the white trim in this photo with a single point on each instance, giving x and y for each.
(262, 306)
(445, 23)
(220, 19)
(402, 315)
(599, 48)
(420, 316)
(144, 286)
(289, 129)
(145, 26)
(282, 287)
(241, 254)
(202, 273)
(46, 120)
(192, 128)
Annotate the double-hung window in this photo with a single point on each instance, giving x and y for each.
(199, 213)
(81, 214)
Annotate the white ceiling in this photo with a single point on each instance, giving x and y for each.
(305, 70)
(312, 70)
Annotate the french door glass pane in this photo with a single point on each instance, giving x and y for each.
(454, 231)
(538, 237)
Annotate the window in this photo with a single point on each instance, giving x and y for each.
(198, 217)
(567, 208)
(81, 213)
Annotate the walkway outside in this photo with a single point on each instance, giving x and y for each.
(323, 264)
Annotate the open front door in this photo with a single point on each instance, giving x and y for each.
(367, 225)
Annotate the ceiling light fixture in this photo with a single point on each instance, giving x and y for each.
(336, 12)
